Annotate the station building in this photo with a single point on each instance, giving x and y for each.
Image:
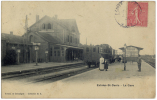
(58, 38)
(131, 53)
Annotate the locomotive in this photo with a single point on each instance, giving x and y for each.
(93, 53)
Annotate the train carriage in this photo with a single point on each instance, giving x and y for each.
(93, 53)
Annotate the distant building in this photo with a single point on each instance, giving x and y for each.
(60, 37)
(132, 52)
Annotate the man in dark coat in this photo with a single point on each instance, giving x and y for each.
(105, 64)
(139, 63)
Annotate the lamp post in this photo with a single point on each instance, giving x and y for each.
(46, 52)
(18, 51)
(124, 56)
(13, 47)
(36, 49)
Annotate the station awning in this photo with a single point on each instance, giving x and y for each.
(132, 46)
(72, 47)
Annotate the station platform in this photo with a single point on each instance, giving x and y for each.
(114, 83)
(116, 72)
(32, 66)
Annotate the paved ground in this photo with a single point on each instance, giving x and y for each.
(29, 66)
(114, 83)
(116, 72)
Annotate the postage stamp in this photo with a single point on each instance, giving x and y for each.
(130, 14)
(137, 14)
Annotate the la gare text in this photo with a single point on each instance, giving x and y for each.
(115, 85)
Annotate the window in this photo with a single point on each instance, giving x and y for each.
(62, 52)
(105, 50)
(71, 39)
(58, 53)
(50, 51)
(98, 49)
(54, 53)
(31, 39)
(49, 26)
(68, 38)
(43, 26)
(73, 29)
(76, 40)
(94, 49)
(87, 49)
(56, 47)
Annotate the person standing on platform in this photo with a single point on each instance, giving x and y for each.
(106, 64)
(139, 63)
(101, 65)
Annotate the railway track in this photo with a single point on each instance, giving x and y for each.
(152, 63)
(48, 75)
(57, 77)
(40, 71)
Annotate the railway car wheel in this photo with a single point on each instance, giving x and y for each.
(95, 64)
(89, 65)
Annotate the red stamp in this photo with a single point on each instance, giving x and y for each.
(137, 14)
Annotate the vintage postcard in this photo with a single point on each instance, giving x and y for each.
(81, 49)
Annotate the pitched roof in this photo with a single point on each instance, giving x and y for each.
(12, 38)
(49, 37)
(65, 23)
(132, 46)
(68, 24)
(39, 20)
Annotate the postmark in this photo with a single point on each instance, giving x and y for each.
(130, 14)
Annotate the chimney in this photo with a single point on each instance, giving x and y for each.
(11, 32)
(37, 18)
(56, 16)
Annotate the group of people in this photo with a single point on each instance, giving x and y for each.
(104, 64)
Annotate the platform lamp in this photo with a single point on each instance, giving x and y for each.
(36, 49)
(26, 60)
(46, 52)
(18, 57)
(124, 56)
(13, 47)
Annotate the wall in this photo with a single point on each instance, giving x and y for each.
(42, 48)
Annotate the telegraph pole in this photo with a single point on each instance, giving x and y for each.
(26, 38)
(124, 57)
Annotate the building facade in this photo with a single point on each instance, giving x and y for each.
(59, 41)
(59, 37)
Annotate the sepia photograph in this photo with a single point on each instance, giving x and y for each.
(78, 49)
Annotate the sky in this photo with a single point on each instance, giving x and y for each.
(95, 21)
